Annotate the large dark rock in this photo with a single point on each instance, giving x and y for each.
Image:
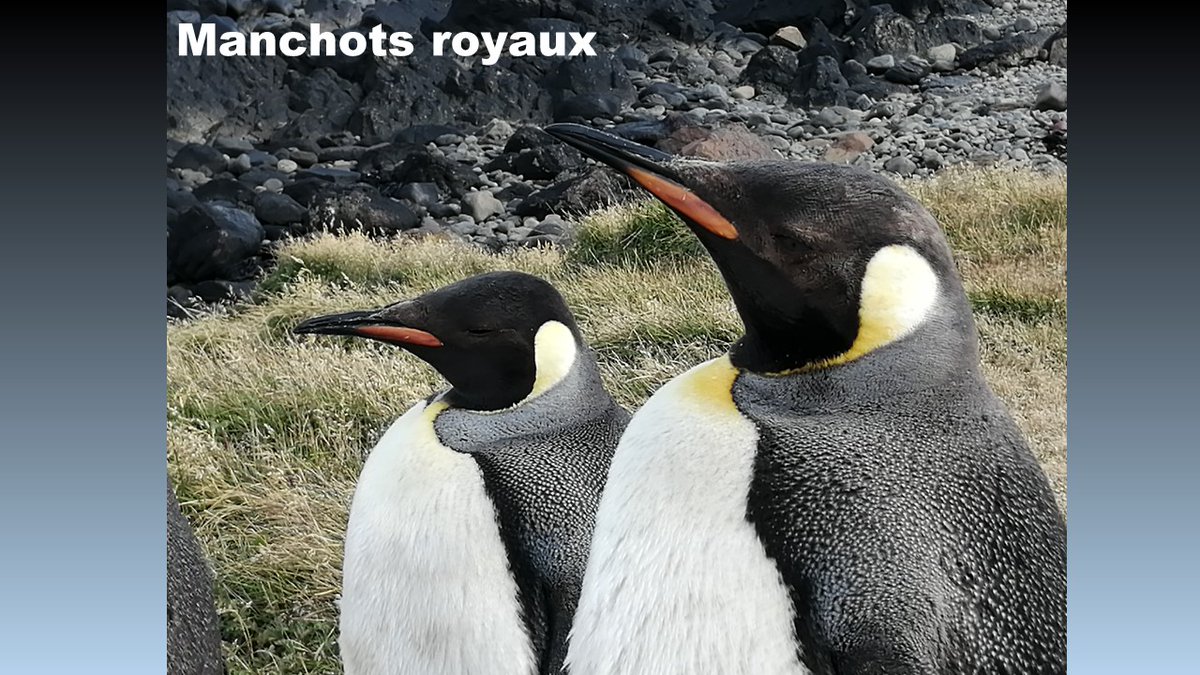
(951, 29)
(589, 87)
(1008, 51)
(772, 68)
(193, 628)
(360, 207)
(883, 31)
(224, 190)
(545, 162)
(527, 138)
(422, 166)
(197, 156)
(278, 209)
(821, 84)
(212, 241)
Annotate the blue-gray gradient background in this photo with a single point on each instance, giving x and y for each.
(82, 380)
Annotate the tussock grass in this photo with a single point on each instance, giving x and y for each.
(642, 233)
(267, 431)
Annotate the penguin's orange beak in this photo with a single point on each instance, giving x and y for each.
(647, 167)
(368, 325)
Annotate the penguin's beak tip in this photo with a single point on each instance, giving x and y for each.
(368, 325)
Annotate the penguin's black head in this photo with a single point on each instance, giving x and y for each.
(825, 262)
(494, 336)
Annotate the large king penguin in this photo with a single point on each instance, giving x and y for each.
(841, 493)
(471, 520)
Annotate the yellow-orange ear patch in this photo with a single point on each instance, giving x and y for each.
(685, 201)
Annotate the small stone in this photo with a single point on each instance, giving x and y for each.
(481, 205)
(304, 158)
(900, 165)
(743, 92)
(287, 166)
(828, 117)
(712, 91)
(448, 139)
(942, 57)
(848, 146)
(1051, 96)
(1024, 25)
(240, 164)
(909, 71)
(932, 159)
(991, 33)
(233, 146)
(463, 228)
(496, 131)
(273, 184)
(881, 64)
(790, 37)
(444, 210)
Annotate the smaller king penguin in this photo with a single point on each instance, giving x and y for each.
(841, 493)
(193, 628)
(471, 520)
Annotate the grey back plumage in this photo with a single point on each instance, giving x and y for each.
(193, 631)
(545, 465)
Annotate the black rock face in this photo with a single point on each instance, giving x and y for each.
(264, 148)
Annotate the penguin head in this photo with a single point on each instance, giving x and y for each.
(498, 338)
(825, 263)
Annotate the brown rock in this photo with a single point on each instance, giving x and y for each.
(848, 146)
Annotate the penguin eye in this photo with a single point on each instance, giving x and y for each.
(478, 331)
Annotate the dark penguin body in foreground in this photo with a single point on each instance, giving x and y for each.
(193, 629)
(842, 493)
(471, 521)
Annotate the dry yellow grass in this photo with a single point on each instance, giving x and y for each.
(267, 431)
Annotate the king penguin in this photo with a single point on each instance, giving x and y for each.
(193, 629)
(471, 520)
(841, 493)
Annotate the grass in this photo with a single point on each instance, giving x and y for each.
(267, 431)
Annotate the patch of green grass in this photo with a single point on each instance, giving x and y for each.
(1023, 308)
(644, 233)
(267, 430)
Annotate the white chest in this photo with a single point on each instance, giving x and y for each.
(426, 584)
(678, 581)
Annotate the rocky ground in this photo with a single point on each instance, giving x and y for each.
(260, 149)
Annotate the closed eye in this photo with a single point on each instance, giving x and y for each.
(479, 331)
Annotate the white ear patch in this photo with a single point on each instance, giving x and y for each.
(898, 290)
(554, 351)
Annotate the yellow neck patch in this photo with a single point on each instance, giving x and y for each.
(898, 290)
(554, 351)
(711, 384)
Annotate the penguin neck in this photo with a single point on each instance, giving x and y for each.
(900, 293)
